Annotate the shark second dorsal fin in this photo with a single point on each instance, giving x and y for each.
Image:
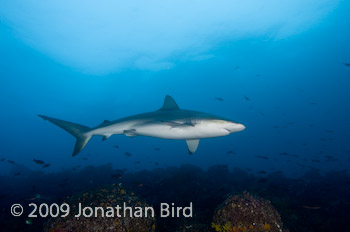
(169, 104)
(192, 145)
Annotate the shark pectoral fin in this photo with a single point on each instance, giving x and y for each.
(192, 145)
(173, 124)
(130, 133)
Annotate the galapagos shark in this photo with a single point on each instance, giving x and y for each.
(169, 122)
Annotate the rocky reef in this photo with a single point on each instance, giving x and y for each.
(240, 213)
(106, 218)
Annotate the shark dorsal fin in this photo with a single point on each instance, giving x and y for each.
(169, 104)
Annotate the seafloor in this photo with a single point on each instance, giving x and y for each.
(312, 202)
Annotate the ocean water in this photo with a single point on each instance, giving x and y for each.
(281, 69)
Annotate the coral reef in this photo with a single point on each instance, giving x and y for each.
(107, 198)
(240, 213)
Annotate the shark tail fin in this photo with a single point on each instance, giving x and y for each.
(78, 131)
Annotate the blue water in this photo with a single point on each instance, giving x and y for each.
(281, 68)
(291, 71)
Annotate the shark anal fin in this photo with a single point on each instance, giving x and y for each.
(192, 145)
(130, 133)
(169, 104)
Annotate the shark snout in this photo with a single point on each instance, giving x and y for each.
(235, 127)
(240, 127)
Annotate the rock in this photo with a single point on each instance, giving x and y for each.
(240, 213)
(107, 198)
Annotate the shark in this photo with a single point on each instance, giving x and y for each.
(168, 122)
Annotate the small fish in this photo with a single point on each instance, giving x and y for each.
(236, 67)
(246, 98)
(128, 154)
(2, 159)
(262, 172)
(40, 162)
(36, 197)
(76, 167)
(84, 158)
(219, 99)
(156, 163)
(137, 162)
(116, 146)
(288, 124)
(347, 64)
(262, 157)
(330, 131)
(311, 207)
(231, 152)
(157, 149)
(46, 165)
(11, 161)
(331, 159)
(29, 221)
(117, 176)
(17, 174)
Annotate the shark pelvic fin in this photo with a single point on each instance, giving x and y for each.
(105, 137)
(78, 131)
(169, 104)
(192, 145)
(130, 133)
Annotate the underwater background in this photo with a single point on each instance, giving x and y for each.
(281, 68)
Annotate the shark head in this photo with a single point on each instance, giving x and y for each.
(213, 126)
(223, 124)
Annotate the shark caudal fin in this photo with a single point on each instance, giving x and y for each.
(78, 131)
